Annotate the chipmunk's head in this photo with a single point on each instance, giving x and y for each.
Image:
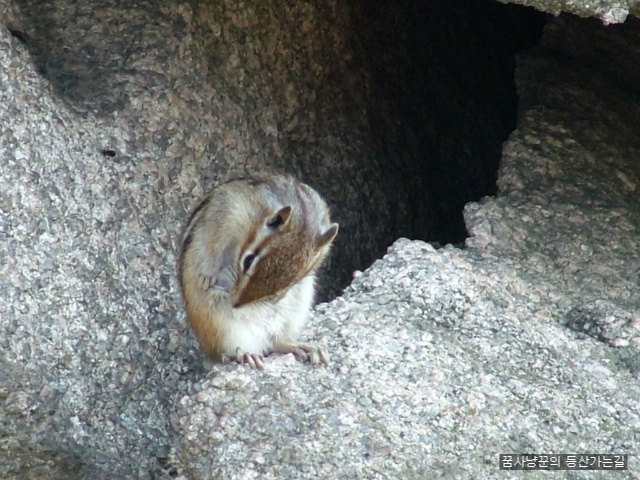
(287, 238)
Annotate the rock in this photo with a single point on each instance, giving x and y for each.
(607, 12)
(525, 341)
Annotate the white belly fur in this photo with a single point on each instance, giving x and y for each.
(257, 326)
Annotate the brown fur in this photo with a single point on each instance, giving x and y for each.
(236, 220)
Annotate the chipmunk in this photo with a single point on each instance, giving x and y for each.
(247, 267)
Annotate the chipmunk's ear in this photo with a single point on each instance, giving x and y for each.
(280, 218)
(327, 237)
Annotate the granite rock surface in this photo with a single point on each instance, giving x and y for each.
(527, 340)
(609, 12)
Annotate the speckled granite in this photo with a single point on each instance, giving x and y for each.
(608, 11)
(527, 340)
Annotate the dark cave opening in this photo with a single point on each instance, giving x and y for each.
(443, 99)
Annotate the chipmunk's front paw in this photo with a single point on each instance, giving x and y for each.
(254, 360)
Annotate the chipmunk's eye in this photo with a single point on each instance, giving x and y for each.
(248, 261)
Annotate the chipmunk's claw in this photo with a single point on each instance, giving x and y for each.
(254, 360)
(303, 352)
